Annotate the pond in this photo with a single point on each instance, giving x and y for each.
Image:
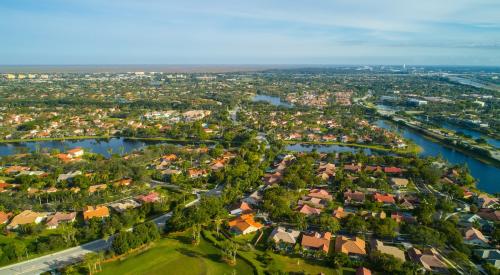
(273, 100)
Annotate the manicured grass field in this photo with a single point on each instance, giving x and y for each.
(176, 255)
(289, 264)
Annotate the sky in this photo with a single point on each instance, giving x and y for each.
(423, 32)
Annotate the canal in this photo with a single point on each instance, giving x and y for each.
(487, 175)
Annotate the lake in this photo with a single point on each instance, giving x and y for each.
(99, 146)
(273, 100)
(487, 175)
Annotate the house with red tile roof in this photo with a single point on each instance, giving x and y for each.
(196, 173)
(75, 153)
(149, 198)
(385, 199)
(392, 170)
(317, 241)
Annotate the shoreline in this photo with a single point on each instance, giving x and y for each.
(482, 158)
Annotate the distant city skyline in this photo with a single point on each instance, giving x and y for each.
(58, 32)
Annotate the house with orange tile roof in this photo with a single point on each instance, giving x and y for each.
(16, 169)
(243, 208)
(385, 199)
(196, 173)
(97, 187)
(244, 224)
(317, 241)
(26, 217)
(75, 153)
(363, 271)
(350, 246)
(123, 182)
(4, 217)
(90, 212)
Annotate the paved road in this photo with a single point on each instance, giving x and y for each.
(72, 255)
(55, 260)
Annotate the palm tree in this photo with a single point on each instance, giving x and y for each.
(218, 222)
(196, 230)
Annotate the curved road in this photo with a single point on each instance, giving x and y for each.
(72, 255)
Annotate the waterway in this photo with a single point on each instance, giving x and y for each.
(474, 134)
(273, 100)
(487, 175)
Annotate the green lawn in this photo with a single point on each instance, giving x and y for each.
(176, 255)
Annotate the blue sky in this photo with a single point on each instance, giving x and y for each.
(436, 32)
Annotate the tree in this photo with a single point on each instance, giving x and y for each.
(196, 233)
(355, 224)
(384, 262)
(385, 228)
(230, 250)
(328, 223)
(120, 243)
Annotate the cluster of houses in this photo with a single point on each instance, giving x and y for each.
(169, 164)
(54, 219)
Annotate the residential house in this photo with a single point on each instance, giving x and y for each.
(271, 179)
(123, 182)
(397, 253)
(121, 207)
(351, 246)
(385, 199)
(149, 198)
(485, 201)
(473, 236)
(243, 208)
(308, 210)
(26, 217)
(430, 259)
(4, 217)
(399, 183)
(254, 199)
(197, 173)
(54, 220)
(491, 256)
(75, 153)
(355, 197)
(317, 241)
(341, 213)
(284, 239)
(354, 168)
(90, 212)
(320, 194)
(489, 214)
(363, 271)
(244, 224)
(326, 171)
(16, 169)
(468, 219)
(392, 170)
(97, 187)
(68, 176)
